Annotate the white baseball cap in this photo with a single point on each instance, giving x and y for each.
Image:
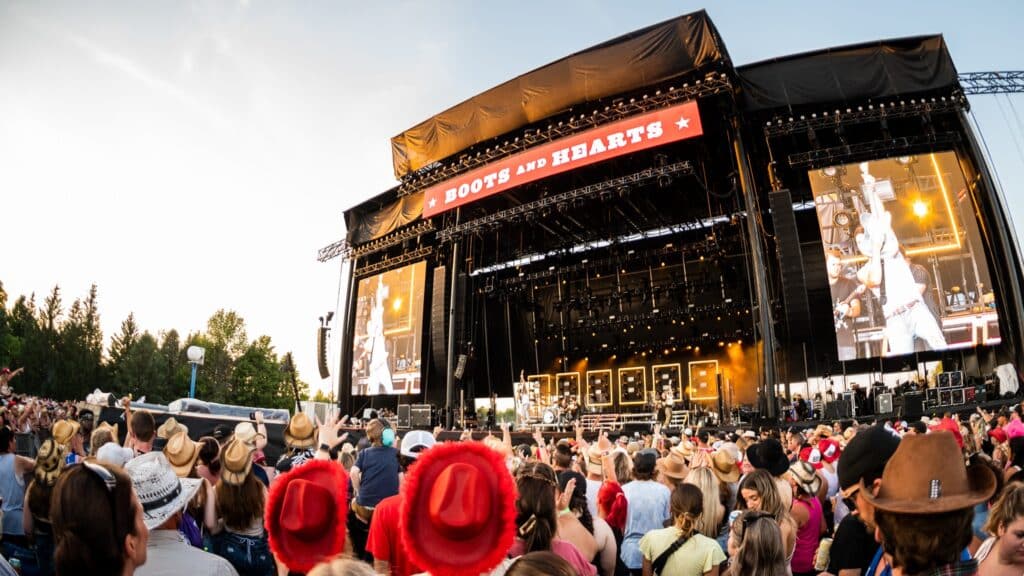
(416, 439)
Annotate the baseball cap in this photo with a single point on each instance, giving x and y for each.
(866, 455)
(414, 439)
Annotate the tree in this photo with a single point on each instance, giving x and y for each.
(226, 329)
(121, 345)
(141, 371)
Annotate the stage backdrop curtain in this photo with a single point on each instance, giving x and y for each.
(365, 224)
(849, 74)
(652, 55)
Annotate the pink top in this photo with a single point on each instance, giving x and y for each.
(1014, 428)
(808, 536)
(564, 549)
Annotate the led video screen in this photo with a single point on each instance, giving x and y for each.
(906, 266)
(388, 330)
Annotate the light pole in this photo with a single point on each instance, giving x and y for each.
(196, 354)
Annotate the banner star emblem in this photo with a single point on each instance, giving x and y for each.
(432, 202)
(683, 122)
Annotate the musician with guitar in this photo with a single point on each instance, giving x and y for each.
(846, 295)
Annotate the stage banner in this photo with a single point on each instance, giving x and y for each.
(603, 143)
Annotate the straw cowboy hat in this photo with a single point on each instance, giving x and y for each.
(595, 455)
(169, 428)
(927, 475)
(64, 431)
(236, 462)
(107, 426)
(306, 514)
(49, 462)
(160, 491)
(247, 433)
(724, 466)
(673, 466)
(458, 510)
(182, 453)
(300, 432)
(806, 477)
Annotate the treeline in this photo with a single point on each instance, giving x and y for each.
(62, 351)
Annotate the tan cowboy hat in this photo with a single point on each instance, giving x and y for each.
(107, 426)
(595, 454)
(169, 428)
(673, 466)
(182, 453)
(724, 466)
(236, 462)
(300, 432)
(927, 475)
(823, 431)
(685, 449)
(49, 462)
(247, 433)
(64, 431)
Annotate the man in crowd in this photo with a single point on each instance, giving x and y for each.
(862, 462)
(846, 297)
(85, 422)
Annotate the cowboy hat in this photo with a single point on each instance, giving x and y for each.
(673, 466)
(169, 428)
(182, 452)
(160, 491)
(458, 510)
(724, 466)
(236, 462)
(768, 455)
(306, 514)
(595, 455)
(49, 462)
(300, 432)
(806, 477)
(247, 433)
(107, 426)
(927, 475)
(685, 450)
(64, 431)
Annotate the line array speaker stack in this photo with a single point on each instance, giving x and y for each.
(404, 415)
(791, 264)
(438, 343)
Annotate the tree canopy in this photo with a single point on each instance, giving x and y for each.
(62, 352)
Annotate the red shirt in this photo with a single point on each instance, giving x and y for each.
(385, 539)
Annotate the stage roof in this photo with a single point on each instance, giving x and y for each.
(646, 57)
(858, 72)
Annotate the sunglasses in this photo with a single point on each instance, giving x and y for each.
(851, 500)
(108, 479)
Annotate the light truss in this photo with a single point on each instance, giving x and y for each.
(1008, 82)
(393, 239)
(823, 157)
(713, 83)
(389, 263)
(873, 112)
(333, 250)
(516, 212)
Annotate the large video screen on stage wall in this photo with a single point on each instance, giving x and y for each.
(389, 316)
(906, 267)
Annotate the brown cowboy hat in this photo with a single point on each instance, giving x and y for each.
(182, 453)
(169, 428)
(673, 466)
(927, 475)
(300, 432)
(107, 426)
(725, 467)
(64, 431)
(236, 462)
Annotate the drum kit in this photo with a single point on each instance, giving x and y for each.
(560, 412)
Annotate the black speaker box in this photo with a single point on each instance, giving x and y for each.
(791, 264)
(404, 415)
(421, 416)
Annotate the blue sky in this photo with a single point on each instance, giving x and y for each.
(189, 156)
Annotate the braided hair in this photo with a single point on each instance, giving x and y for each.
(536, 516)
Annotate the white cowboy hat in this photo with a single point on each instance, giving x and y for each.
(160, 491)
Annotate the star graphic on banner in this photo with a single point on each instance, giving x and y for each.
(683, 122)
(432, 202)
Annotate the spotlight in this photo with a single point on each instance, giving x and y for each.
(831, 171)
(920, 208)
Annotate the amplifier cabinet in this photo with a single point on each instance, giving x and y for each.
(421, 416)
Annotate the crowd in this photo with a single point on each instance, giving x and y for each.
(935, 497)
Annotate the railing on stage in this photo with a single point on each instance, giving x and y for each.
(618, 421)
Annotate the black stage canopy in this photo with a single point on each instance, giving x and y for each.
(848, 74)
(646, 57)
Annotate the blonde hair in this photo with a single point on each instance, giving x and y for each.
(706, 481)
(1007, 508)
(342, 567)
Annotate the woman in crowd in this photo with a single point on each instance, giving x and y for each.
(98, 524)
(537, 517)
(591, 536)
(755, 546)
(540, 564)
(208, 463)
(611, 507)
(342, 567)
(1015, 465)
(49, 463)
(681, 550)
(759, 492)
(808, 515)
(234, 514)
(1003, 551)
(711, 521)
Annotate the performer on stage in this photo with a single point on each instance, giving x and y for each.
(379, 380)
(523, 400)
(887, 272)
(846, 295)
(668, 399)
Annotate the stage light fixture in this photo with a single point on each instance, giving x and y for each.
(920, 208)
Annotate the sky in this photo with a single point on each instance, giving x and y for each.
(187, 156)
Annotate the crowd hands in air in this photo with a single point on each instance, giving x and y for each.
(937, 497)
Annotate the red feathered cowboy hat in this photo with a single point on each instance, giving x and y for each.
(458, 509)
(306, 512)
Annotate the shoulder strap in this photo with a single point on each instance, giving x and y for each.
(662, 559)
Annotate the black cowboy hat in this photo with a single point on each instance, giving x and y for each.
(768, 455)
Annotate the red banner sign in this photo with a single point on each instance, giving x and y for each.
(603, 143)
